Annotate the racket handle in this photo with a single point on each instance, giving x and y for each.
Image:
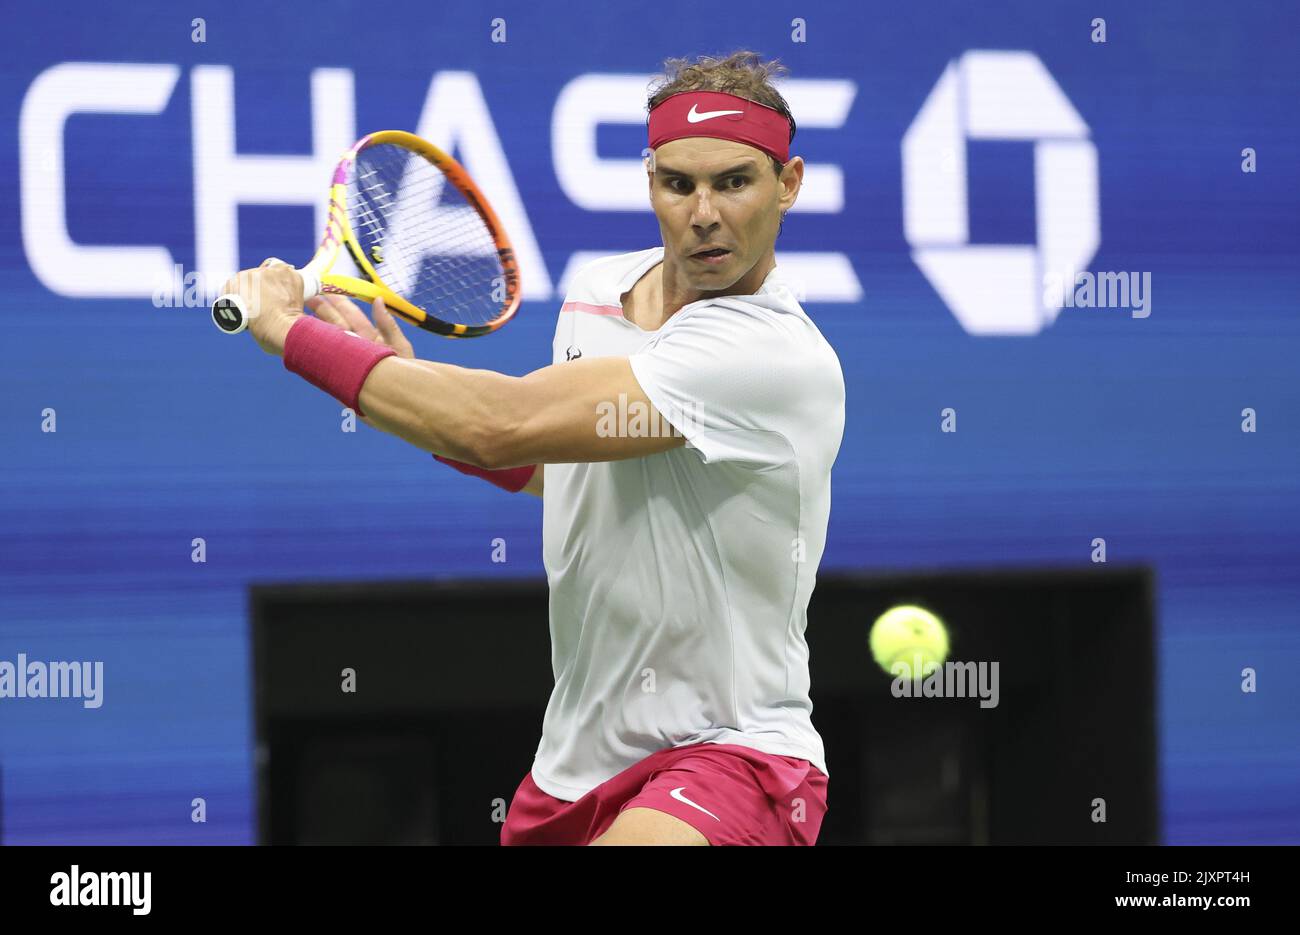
(310, 285)
(230, 313)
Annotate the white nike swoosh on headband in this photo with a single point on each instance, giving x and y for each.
(677, 794)
(694, 117)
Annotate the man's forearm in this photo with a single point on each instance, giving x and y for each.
(448, 410)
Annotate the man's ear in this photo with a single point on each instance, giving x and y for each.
(791, 181)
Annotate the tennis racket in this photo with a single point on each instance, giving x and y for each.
(418, 232)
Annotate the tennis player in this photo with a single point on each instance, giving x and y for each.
(682, 442)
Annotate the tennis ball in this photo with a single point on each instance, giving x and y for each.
(903, 634)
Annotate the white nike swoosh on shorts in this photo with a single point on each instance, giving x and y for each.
(677, 794)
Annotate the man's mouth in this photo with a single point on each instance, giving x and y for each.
(711, 255)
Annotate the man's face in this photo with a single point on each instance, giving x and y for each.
(710, 193)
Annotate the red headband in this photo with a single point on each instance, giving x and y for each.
(722, 116)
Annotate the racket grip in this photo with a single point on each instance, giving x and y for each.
(310, 284)
(230, 313)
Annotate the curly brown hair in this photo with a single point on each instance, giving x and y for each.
(744, 74)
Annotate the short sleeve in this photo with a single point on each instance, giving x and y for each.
(739, 383)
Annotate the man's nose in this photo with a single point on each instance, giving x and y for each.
(703, 212)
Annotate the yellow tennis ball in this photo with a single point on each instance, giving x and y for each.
(907, 636)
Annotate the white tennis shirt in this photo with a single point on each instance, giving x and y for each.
(679, 582)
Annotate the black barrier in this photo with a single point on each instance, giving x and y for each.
(1050, 739)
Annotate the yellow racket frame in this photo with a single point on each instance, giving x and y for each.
(338, 233)
(230, 315)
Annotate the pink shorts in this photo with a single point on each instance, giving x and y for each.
(730, 794)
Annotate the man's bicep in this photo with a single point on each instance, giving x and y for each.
(584, 410)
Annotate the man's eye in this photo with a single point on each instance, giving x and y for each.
(677, 185)
(736, 178)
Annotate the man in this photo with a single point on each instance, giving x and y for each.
(681, 559)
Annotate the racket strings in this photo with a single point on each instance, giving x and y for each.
(425, 240)
(372, 207)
